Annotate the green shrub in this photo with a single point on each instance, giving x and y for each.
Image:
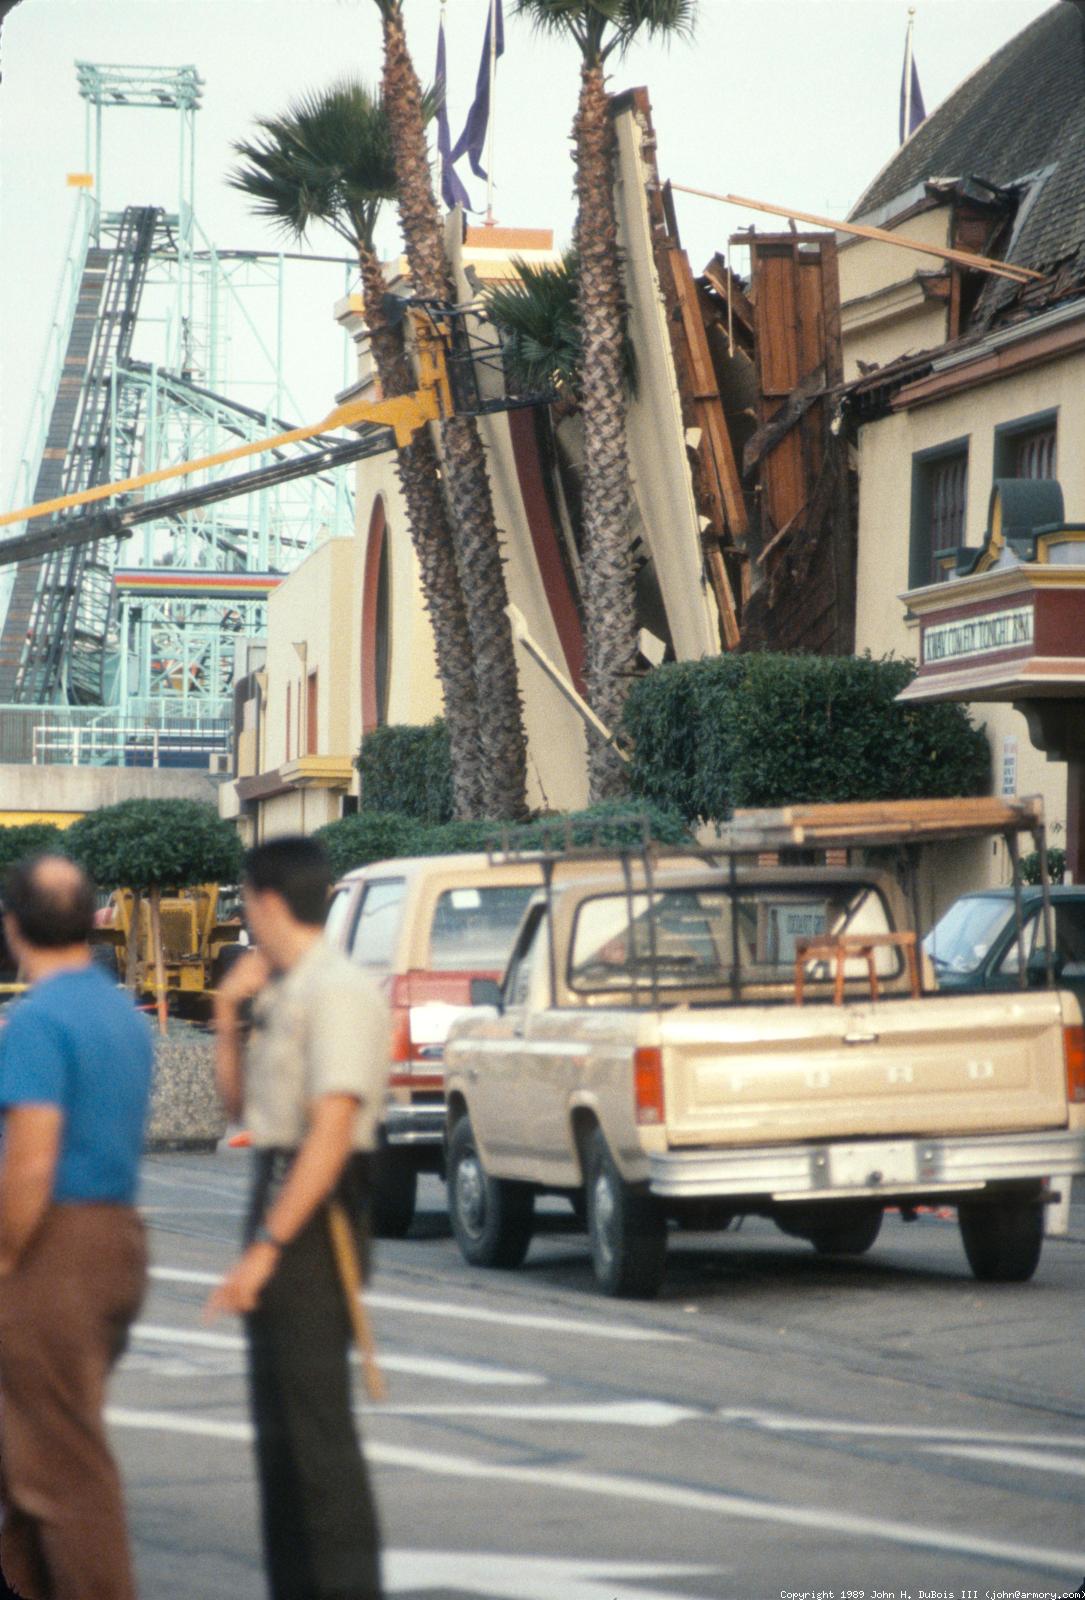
(407, 770)
(381, 836)
(1029, 866)
(31, 839)
(610, 824)
(141, 844)
(771, 730)
(378, 836)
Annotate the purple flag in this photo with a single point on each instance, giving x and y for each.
(912, 111)
(472, 140)
(453, 192)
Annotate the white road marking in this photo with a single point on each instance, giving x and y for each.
(774, 1422)
(518, 1577)
(1031, 1460)
(174, 1422)
(447, 1309)
(616, 1413)
(467, 1372)
(184, 1275)
(648, 1491)
(521, 1319)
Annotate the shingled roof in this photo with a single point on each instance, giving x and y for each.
(1021, 115)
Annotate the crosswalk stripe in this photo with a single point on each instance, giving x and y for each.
(648, 1491)
(466, 1372)
(378, 1301)
(776, 1422)
(1031, 1460)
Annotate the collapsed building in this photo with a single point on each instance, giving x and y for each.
(806, 444)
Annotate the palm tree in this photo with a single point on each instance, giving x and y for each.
(328, 159)
(599, 28)
(473, 525)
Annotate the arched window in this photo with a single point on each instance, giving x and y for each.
(376, 621)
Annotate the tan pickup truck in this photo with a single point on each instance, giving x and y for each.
(692, 1045)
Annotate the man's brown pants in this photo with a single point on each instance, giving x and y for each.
(64, 1318)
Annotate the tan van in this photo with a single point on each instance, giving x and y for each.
(425, 928)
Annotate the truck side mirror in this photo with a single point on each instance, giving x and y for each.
(487, 992)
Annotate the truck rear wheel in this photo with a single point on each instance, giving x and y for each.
(492, 1218)
(395, 1191)
(850, 1234)
(1002, 1238)
(627, 1230)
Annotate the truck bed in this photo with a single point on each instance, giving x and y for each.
(941, 1064)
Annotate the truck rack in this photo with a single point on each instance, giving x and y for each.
(866, 824)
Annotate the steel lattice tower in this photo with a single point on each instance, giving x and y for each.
(144, 370)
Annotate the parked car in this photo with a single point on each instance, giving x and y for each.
(425, 928)
(974, 944)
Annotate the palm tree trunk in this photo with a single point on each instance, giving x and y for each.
(474, 529)
(428, 520)
(607, 569)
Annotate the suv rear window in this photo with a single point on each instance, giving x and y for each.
(338, 906)
(473, 928)
(374, 941)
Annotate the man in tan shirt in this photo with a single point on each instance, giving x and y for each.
(310, 1084)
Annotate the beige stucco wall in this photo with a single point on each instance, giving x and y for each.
(300, 811)
(313, 609)
(886, 449)
(884, 312)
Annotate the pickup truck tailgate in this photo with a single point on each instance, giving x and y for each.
(942, 1064)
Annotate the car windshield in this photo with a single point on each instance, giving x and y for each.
(960, 940)
(687, 941)
(473, 928)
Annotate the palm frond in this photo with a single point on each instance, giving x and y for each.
(663, 19)
(327, 158)
(538, 318)
(602, 26)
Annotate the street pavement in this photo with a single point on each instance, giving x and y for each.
(775, 1425)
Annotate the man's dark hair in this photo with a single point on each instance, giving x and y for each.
(296, 868)
(52, 901)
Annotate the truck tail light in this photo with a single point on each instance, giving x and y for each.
(1074, 1048)
(648, 1085)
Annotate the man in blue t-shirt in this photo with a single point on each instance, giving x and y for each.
(75, 1077)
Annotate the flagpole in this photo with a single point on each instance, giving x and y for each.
(492, 118)
(908, 73)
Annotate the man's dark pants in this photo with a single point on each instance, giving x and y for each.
(321, 1539)
(64, 1318)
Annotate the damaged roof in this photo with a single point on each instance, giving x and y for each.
(1019, 116)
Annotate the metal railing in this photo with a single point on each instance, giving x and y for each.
(121, 746)
(107, 737)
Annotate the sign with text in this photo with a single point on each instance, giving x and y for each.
(977, 636)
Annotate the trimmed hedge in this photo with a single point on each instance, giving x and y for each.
(30, 839)
(356, 841)
(771, 730)
(140, 844)
(407, 770)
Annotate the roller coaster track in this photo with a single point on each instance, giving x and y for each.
(53, 643)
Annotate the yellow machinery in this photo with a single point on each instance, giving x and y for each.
(193, 940)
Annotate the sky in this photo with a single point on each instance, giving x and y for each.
(794, 101)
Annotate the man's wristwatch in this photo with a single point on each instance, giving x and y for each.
(264, 1235)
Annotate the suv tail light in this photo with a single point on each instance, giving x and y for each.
(648, 1085)
(416, 1046)
(1074, 1049)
